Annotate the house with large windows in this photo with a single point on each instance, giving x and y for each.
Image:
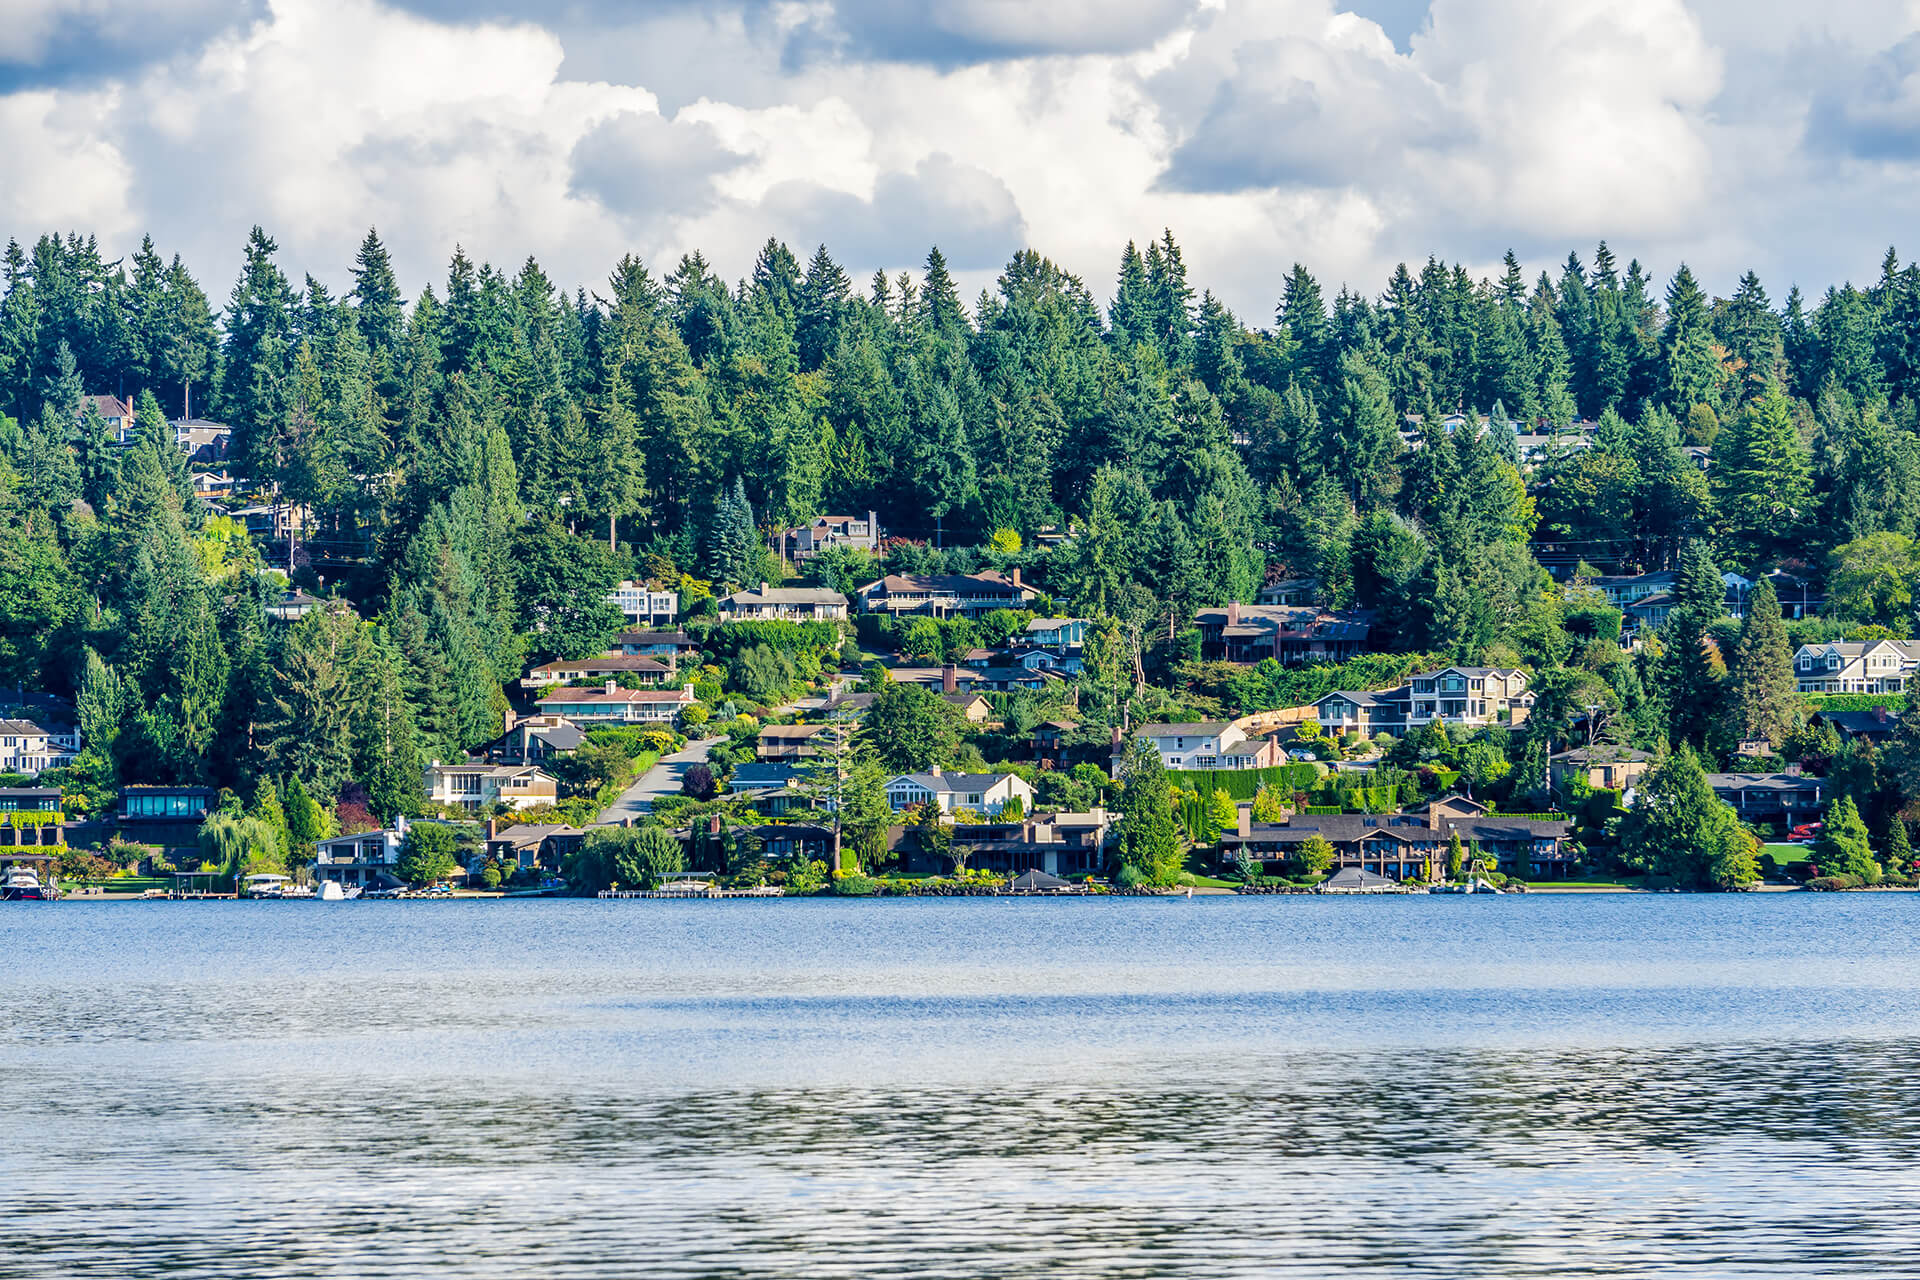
(610, 704)
(480, 785)
(783, 604)
(1461, 698)
(27, 747)
(1289, 634)
(1214, 744)
(946, 595)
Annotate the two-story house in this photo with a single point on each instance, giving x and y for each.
(545, 844)
(789, 741)
(1782, 798)
(1289, 634)
(365, 859)
(26, 747)
(783, 604)
(1060, 844)
(116, 413)
(671, 647)
(1414, 845)
(1212, 744)
(535, 739)
(645, 606)
(479, 785)
(1847, 666)
(1469, 697)
(856, 533)
(983, 793)
(610, 704)
(32, 816)
(1055, 633)
(946, 595)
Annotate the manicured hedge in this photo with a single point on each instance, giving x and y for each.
(1243, 784)
(1895, 702)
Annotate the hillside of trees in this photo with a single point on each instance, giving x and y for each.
(481, 459)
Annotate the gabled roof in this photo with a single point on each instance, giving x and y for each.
(990, 582)
(1195, 729)
(559, 696)
(952, 781)
(785, 595)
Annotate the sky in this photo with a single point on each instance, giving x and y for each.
(1348, 135)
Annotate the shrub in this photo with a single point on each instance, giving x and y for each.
(1834, 884)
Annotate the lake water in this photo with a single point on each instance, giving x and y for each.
(1444, 1087)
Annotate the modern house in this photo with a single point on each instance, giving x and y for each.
(26, 747)
(1407, 846)
(609, 666)
(365, 859)
(1289, 634)
(1058, 844)
(856, 533)
(479, 785)
(783, 604)
(610, 704)
(644, 605)
(789, 741)
(32, 816)
(946, 595)
(1856, 666)
(1215, 744)
(982, 793)
(167, 816)
(1782, 798)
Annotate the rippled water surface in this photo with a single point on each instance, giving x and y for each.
(1621, 1086)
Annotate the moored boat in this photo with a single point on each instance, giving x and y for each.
(23, 884)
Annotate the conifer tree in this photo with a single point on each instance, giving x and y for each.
(1762, 698)
(1149, 842)
(1760, 481)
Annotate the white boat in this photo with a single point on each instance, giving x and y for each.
(22, 884)
(263, 885)
(334, 891)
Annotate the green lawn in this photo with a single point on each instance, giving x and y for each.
(121, 884)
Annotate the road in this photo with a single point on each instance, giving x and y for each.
(661, 780)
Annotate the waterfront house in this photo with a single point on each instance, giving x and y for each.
(768, 785)
(543, 844)
(982, 793)
(365, 859)
(1408, 846)
(1864, 666)
(783, 604)
(477, 785)
(1289, 634)
(1783, 799)
(610, 704)
(1059, 844)
(166, 816)
(946, 595)
(32, 816)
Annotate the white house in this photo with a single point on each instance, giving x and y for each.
(984, 793)
(363, 859)
(610, 704)
(1213, 744)
(1056, 633)
(643, 605)
(25, 747)
(1843, 666)
(476, 786)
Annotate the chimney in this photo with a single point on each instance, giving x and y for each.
(611, 685)
(713, 824)
(949, 678)
(1233, 613)
(1793, 770)
(934, 770)
(507, 719)
(493, 827)
(1433, 814)
(1880, 715)
(1116, 735)
(1014, 577)
(763, 588)
(1243, 815)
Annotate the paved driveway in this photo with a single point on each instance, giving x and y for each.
(661, 780)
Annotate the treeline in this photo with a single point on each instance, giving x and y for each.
(479, 460)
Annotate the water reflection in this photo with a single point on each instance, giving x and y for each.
(1738, 1160)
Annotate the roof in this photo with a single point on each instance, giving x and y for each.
(990, 582)
(961, 698)
(1198, 729)
(536, 833)
(607, 662)
(952, 781)
(786, 595)
(1604, 753)
(561, 737)
(110, 406)
(22, 727)
(1464, 671)
(677, 638)
(1762, 782)
(31, 793)
(1859, 722)
(1346, 828)
(1366, 697)
(792, 730)
(618, 695)
(763, 773)
(490, 770)
(1054, 624)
